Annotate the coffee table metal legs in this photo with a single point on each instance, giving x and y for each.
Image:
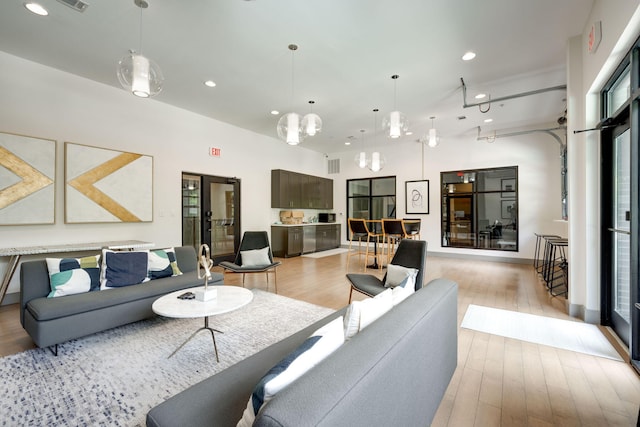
(207, 328)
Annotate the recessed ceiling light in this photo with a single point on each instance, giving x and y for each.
(347, 143)
(481, 95)
(409, 133)
(488, 120)
(275, 112)
(468, 56)
(36, 8)
(210, 83)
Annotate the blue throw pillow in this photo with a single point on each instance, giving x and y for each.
(123, 268)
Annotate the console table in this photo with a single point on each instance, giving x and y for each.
(14, 254)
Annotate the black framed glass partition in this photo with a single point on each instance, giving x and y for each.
(371, 198)
(480, 208)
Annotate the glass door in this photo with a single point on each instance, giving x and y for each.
(620, 233)
(211, 214)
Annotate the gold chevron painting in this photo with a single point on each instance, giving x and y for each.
(27, 177)
(104, 185)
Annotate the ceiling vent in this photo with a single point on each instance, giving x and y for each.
(333, 166)
(77, 5)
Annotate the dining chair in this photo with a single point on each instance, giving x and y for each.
(412, 227)
(359, 231)
(393, 232)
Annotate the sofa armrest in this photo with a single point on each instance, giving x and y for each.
(34, 283)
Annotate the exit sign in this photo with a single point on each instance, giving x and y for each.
(214, 152)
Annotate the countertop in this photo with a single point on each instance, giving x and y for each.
(305, 224)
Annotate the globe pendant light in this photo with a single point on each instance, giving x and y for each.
(361, 157)
(433, 139)
(377, 160)
(137, 73)
(289, 126)
(396, 123)
(311, 123)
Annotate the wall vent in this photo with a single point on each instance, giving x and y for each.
(78, 5)
(333, 166)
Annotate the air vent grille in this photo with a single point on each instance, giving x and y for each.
(78, 5)
(333, 166)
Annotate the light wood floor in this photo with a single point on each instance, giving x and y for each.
(499, 381)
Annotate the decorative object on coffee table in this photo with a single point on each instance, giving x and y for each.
(205, 264)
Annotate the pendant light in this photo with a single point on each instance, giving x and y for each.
(377, 160)
(396, 123)
(137, 73)
(289, 126)
(433, 138)
(361, 157)
(311, 122)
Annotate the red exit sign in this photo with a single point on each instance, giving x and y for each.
(214, 152)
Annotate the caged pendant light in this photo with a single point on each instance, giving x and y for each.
(396, 123)
(137, 73)
(289, 126)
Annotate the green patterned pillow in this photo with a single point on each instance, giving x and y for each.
(68, 276)
(163, 263)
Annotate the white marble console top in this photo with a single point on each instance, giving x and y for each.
(75, 247)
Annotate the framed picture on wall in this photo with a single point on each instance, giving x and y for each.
(417, 197)
(508, 188)
(27, 180)
(104, 185)
(508, 208)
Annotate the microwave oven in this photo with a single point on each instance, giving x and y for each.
(326, 217)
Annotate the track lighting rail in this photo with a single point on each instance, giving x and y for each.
(504, 98)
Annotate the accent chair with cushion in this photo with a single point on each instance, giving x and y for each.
(411, 254)
(254, 256)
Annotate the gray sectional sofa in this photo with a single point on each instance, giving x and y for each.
(50, 321)
(393, 372)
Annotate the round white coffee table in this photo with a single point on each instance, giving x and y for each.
(229, 298)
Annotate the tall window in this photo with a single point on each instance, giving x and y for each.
(371, 198)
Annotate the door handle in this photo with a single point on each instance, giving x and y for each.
(617, 230)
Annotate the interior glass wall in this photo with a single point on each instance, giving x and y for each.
(480, 208)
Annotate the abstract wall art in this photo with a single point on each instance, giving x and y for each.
(103, 185)
(417, 197)
(27, 180)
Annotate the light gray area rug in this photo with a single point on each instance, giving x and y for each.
(113, 378)
(565, 334)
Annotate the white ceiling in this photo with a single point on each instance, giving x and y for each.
(348, 50)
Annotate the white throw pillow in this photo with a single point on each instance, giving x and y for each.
(316, 348)
(398, 275)
(401, 293)
(255, 257)
(69, 276)
(360, 314)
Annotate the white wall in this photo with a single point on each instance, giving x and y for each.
(536, 155)
(587, 73)
(43, 102)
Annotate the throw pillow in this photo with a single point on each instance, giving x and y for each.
(400, 293)
(316, 348)
(123, 268)
(68, 276)
(398, 275)
(361, 314)
(163, 263)
(255, 257)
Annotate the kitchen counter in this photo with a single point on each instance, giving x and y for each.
(305, 224)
